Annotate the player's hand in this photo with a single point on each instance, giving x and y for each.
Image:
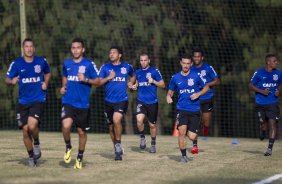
(194, 96)
(169, 99)
(44, 86)
(111, 75)
(15, 80)
(266, 92)
(134, 87)
(81, 77)
(277, 92)
(129, 85)
(150, 80)
(63, 90)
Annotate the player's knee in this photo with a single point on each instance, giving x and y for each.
(152, 125)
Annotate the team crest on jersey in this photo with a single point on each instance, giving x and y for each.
(275, 77)
(81, 69)
(190, 82)
(203, 73)
(148, 75)
(123, 70)
(37, 68)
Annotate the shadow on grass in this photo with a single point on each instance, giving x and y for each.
(138, 150)
(71, 164)
(255, 152)
(24, 161)
(175, 157)
(109, 156)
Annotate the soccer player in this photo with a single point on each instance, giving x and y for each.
(79, 73)
(148, 80)
(265, 83)
(187, 83)
(32, 74)
(114, 75)
(210, 78)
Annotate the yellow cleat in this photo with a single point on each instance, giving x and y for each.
(78, 164)
(67, 156)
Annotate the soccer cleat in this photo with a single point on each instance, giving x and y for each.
(36, 151)
(142, 143)
(262, 134)
(118, 151)
(184, 159)
(78, 164)
(67, 156)
(153, 149)
(31, 162)
(194, 150)
(268, 152)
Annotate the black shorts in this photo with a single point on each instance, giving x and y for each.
(25, 110)
(80, 116)
(150, 110)
(267, 112)
(191, 119)
(111, 108)
(206, 105)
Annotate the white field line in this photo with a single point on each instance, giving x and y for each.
(270, 179)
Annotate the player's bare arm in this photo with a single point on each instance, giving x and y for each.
(200, 93)
(169, 96)
(257, 90)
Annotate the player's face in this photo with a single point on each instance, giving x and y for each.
(198, 58)
(273, 62)
(77, 50)
(114, 55)
(28, 49)
(185, 64)
(144, 61)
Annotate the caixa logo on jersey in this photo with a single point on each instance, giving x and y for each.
(81, 69)
(190, 82)
(275, 77)
(37, 68)
(123, 70)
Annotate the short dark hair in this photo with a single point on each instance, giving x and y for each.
(268, 56)
(27, 40)
(79, 40)
(186, 56)
(144, 54)
(119, 49)
(198, 50)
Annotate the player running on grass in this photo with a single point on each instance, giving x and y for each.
(114, 75)
(186, 83)
(210, 78)
(265, 83)
(148, 80)
(79, 74)
(32, 74)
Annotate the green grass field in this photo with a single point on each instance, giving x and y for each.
(218, 161)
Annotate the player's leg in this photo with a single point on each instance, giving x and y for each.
(152, 117)
(66, 129)
(27, 139)
(34, 132)
(193, 129)
(182, 142)
(260, 114)
(117, 118)
(81, 147)
(140, 125)
(206, 120)
(109, 112)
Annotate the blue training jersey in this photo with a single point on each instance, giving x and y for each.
(116, 88)
(147, 93)
(263, 79)
(186, 86)
(31, 76)
(208, 74)
(78, 92)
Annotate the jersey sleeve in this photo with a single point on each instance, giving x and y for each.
(212, 73)
(102, 73)
(130, 70)
(158, 76)
(93, 71)
(172, 85)
(65, 73)
(255, 78)
(12, 71)
(46, 68)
